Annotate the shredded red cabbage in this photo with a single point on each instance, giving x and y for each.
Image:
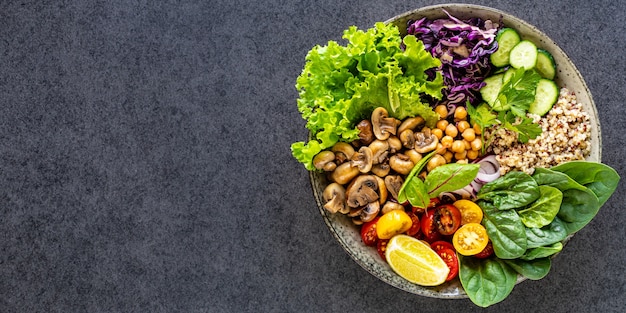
(463, 48)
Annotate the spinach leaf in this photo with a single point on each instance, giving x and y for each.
(535, 269)
(578, 209)
(544, 176)
(486, 281)
(513, 190)
(601, 179)
(506, 231)
(547, 235)
(541, 212)
(542, 252)
(416, 193)
(450, 177)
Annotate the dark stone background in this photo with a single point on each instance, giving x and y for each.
(145, 163)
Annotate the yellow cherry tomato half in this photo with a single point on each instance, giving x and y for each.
(470, 211)
(392, 223)
(470, 239)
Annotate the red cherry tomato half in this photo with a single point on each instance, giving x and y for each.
(381, 247)
(448, 219)
(368, 233)
(434, 202)
(451, 260)
(415, 227)
(429, 227)
(487, 252)
(440, 245)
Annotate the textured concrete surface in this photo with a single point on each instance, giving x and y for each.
(145, 163)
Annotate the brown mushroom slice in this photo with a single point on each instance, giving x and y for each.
(393, 184)
(411, 123)
(390, 206)
(366, 135)
(325, 160)
(343, 152)
(335, 198)
(413, 155)
(381, 169)
(425, 141)
(370, 211)
(380, 150)
(382, 190)
(362, 190)
(383, 125)
(401, 163)
(395, 144)
(362, 159)
(344, 173)
(407, 138)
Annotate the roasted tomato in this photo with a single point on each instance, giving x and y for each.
(429, 227)
(440, 244)
(470, 239)
(451, 260)
(487, 252)
(381, 247)
(415, 227)
(447, 219)
(368, 233)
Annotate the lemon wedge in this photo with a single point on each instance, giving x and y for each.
(415, 261)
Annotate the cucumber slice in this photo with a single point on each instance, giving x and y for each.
(546, 95)
(507, 75)
(490, 91)
(507, 38)
(524, 54)
(546, 67)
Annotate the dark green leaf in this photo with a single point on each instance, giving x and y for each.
(555, 179)
(534, 269)
(547, 235)
(486, 281)
(601, 179)
(542, 252)
(416, 193)
(513, 190)
(541, 212)
(506, 231)
(578, 209)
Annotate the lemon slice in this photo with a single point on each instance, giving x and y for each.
(415, 261)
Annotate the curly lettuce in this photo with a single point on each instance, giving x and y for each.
(341, 85)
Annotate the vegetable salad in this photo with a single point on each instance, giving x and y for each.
(400, 126)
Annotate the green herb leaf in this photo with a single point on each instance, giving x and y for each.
(416, 193)
(524, 127)
(450, 177)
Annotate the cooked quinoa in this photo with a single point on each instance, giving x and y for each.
(565, 137)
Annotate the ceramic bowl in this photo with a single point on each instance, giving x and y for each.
(347, 234)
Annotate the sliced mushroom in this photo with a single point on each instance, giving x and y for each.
(395, 144)
(344, 173)
(411, 123)
(382, 190)
(370, 211)
(393, 184)
(413, 155)
(343, 152)
(380, 150)
(390, 206)
(362, 159)
(407, 138)
(401, 163)
(362, 190)
(365, 132)
(325, 160)
(335, 197)
(381, 169)
(383, 125)
(425, 141)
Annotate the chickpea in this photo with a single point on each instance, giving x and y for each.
(476, 144)
(468, 145)
(462, 161)
(442, 124)
(460, 155)
(448, 156)
(472, 154)
(460, 113)
(458, 146)
(451, 130)
(437, 132)
(469, 134)
(441, 149)
(462, 126)
(442, 110)
(437, 160)
(447, 141)
(477, 129)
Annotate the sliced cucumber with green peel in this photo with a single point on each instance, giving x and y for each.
(523, 55)
(546, 95)
(507, 38)
(491, 90)
(507, 75)
(545, 64)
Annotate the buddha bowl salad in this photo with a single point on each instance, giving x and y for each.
(452, 150)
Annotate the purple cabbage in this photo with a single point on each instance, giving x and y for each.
(463, 48)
